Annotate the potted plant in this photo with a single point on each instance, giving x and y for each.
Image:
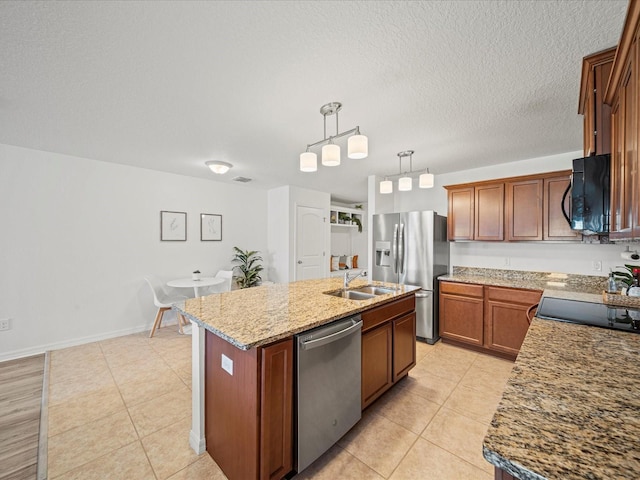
(196, 275)
(357, 221)
(344, 218)
(248, 267)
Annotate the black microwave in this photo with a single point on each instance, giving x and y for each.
(590, 187)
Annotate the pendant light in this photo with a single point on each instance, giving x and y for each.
(405, 180)
(357, 145)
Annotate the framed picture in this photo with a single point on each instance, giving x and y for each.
(173, 226)
(210, 227)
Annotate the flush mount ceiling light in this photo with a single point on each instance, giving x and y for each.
(218, 167)
(405, 180)
(357, 145)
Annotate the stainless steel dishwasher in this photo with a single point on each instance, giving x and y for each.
(328, 386)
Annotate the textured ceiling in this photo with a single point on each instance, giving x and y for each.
(170, 85)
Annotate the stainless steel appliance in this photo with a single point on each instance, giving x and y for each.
(589, 195)
(328, 386)
(590, 313)
(412, 248)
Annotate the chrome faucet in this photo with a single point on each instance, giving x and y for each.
(348, 279)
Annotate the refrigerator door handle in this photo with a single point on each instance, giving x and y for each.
(394, 248)
(401, 248)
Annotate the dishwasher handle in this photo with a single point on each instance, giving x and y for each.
(318, 342)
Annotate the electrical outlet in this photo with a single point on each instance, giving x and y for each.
(507, 261)
(596, 265)
(5, 324)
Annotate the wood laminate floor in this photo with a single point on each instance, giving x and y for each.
(20, 402)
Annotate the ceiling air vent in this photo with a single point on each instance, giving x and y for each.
(241, 179)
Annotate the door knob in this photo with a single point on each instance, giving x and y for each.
(299, 261)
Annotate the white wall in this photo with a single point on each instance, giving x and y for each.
(78, 236)
(535, 256)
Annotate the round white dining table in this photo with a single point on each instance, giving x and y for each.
(195, 284)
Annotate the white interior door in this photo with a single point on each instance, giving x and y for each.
(310, 240)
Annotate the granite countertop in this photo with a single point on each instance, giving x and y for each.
(560, 285)
(571, 407)
(261, 315)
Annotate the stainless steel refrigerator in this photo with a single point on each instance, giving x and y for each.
(411, 248)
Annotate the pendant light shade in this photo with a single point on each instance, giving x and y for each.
(358, 146)
(308, 162)
(404, 184)
(331, 155)
(386, 186)
(426, 180)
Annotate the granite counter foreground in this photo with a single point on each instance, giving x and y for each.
(261, 315)
(571, 408)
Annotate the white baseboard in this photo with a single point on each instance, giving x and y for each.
(27, 352)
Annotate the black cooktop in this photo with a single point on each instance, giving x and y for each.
(589, 313)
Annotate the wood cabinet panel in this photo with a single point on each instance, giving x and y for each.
(596, 69)
(232, 408)
(460, 219)
(513, 295)
(466, 289)
(276, 410)
(377, 373)
(388, 311)
(622, 95)
(524, 210)
(489, 212)
(506, 326)
(404, 345)
(555, 225)
(461, 319)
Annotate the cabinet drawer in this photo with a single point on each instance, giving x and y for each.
(389, 311)
(466, 289)
(513, 295)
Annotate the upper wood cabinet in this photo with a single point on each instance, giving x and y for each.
(596, 69)
(526, 208)
(489, 212)
(623, 96)
(460, 218)
(556, 227)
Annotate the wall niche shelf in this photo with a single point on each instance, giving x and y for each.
(343, 216)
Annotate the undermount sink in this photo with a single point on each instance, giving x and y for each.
(373, 289)
(351, 294)
(361, 293)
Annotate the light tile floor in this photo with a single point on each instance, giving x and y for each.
(120, 409)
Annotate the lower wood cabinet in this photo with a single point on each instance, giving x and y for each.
(493, 319)
(388, 346)
(461, 312)
(248, 414)
(377, 362)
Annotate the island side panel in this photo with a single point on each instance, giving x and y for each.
(232, 408)
(276, 410)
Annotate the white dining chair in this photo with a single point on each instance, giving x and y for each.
(226, 286)
(163, 300)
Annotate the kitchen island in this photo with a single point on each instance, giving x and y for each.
(571, 408)
(242, 357)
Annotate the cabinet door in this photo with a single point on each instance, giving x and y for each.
(276, 410)
(461, 318)
(617, 170)
(460, 214)
(377, 373)
(555, 225)
(505, 317)
(524, 210)
(489, 212)
(404, 345)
